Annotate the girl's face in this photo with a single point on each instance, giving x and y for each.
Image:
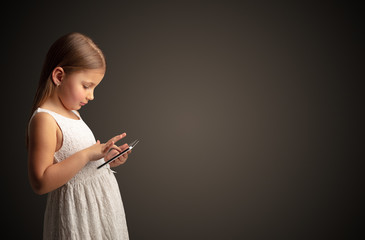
(77, 88)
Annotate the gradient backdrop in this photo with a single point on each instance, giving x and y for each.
(250, 114)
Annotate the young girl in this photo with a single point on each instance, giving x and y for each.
(83, 202)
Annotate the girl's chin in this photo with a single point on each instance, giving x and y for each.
(76, 107)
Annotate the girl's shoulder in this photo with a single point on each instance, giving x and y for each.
(42, 121)
(43, 134)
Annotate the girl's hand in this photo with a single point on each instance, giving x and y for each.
(100, 150)
(120, 160)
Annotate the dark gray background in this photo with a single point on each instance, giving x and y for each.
(249, 114)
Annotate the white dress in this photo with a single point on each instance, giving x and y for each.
(88, 206)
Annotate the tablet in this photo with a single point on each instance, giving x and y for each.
(131, 146)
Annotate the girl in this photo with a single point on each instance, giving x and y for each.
(83, 202)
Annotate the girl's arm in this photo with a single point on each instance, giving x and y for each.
(44, 174)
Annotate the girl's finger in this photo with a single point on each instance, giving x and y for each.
(116, 148)
(111, 141)
(122, 159)
(118, 137)
(124, 146)
(108, 146)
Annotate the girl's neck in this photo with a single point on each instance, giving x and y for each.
(54, 104)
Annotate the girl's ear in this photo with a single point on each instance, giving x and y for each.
(58, 75)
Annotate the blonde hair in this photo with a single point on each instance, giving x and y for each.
(72, 52)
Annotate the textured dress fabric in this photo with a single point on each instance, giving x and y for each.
(88, 206)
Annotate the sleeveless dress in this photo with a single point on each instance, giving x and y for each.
(88, 206)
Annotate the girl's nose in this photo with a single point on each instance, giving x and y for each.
(90, 96)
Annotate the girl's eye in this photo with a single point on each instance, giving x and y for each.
(86, 87)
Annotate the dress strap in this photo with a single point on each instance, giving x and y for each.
(76, 113)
